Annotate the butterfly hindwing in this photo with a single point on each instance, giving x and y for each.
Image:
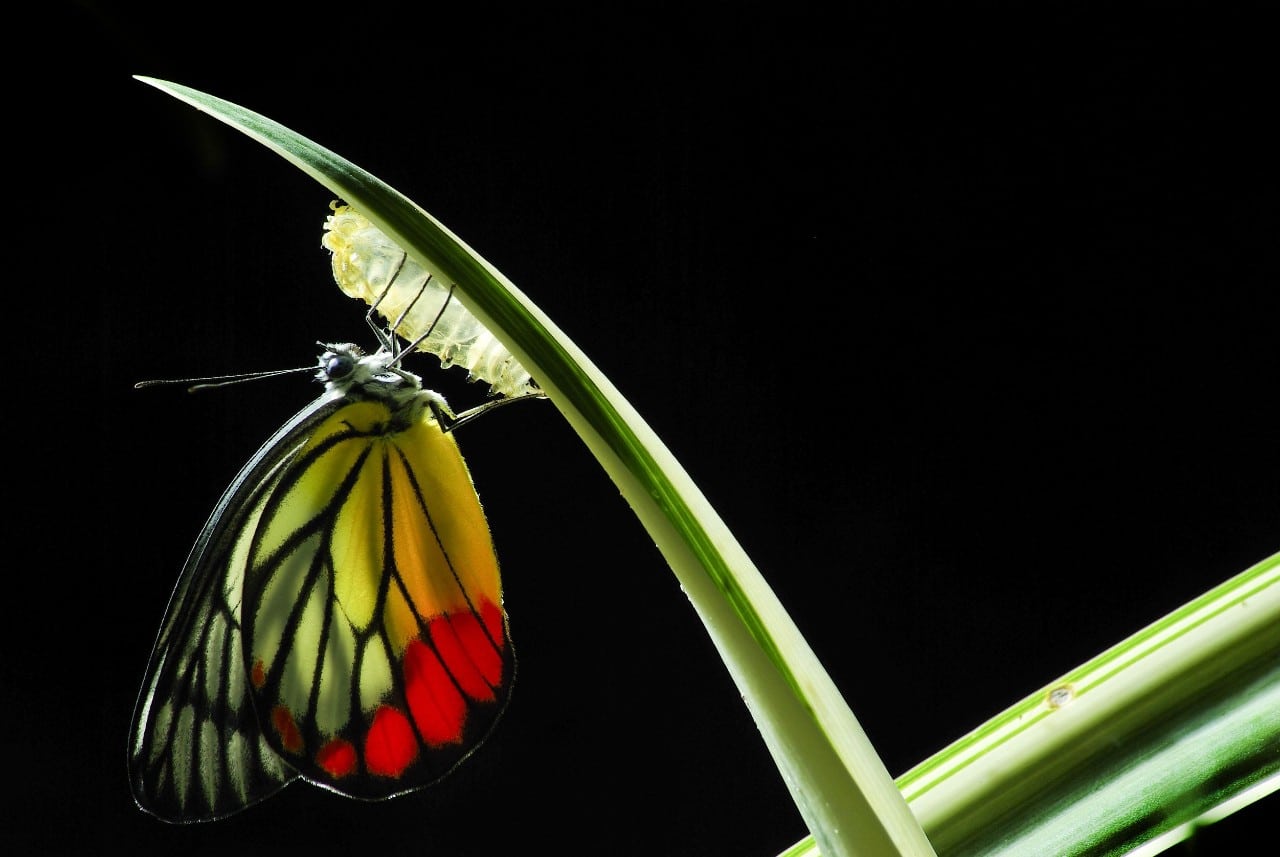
(196, 751)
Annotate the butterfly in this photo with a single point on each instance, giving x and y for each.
(339, 619)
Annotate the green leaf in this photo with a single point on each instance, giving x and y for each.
(1171, 729)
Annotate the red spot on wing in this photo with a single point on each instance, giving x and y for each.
(494, 622)
(390, 746)
(337, 757)
(469, 654)
(438, 709)
(258, 675)
(286, 728)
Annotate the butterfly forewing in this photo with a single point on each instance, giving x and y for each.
(375, 642)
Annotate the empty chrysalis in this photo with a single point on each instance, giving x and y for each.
(365, 260)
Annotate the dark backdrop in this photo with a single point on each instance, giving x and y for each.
(965, 322)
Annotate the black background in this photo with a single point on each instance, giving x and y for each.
(964, 321)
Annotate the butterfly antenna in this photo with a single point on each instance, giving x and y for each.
(213, 381)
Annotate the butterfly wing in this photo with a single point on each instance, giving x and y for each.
(197, 751)
(340, 619)
(374, 637)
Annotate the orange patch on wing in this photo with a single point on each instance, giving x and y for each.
(258, 675)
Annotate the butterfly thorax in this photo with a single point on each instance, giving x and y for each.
(348, 373)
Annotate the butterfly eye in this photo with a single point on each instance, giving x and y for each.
(339, 366)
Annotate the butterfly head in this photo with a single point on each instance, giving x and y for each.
(348, 372)
(346, 368)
